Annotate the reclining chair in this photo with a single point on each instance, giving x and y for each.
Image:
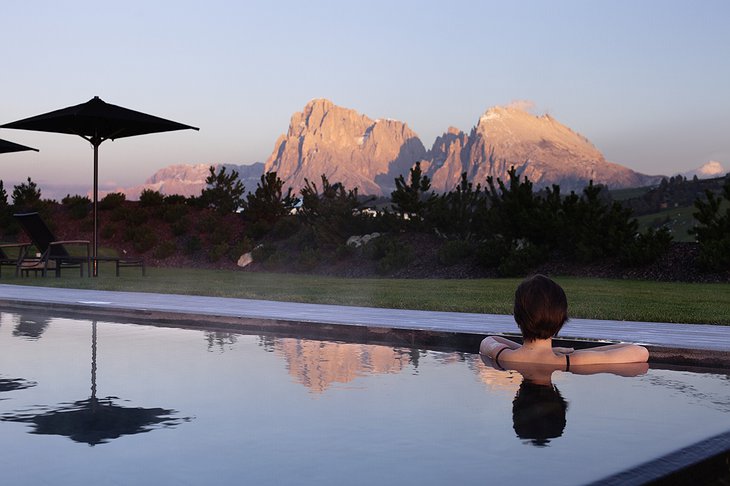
(52, 253)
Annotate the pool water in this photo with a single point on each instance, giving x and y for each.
(116, 403)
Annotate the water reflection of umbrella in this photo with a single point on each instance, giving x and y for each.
(94, 420)
(97, 121)
(7, 147)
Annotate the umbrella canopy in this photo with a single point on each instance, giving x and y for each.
(97, 121)
(6, 147)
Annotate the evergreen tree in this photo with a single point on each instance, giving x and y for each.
(224, 192)
(713, 229)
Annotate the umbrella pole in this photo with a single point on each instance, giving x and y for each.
(96, 214)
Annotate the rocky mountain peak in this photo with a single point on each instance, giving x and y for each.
(345, 146)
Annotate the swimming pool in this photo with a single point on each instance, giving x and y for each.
(118, 403)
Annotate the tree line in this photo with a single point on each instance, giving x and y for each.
(505, 225)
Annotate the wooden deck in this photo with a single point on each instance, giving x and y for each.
(693, 344)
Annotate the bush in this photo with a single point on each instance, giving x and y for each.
(174, 213)
(455, 251)
(113, 200)
(175, 200)
(78, 206)
(389, 253)
(165, 250)
(180, 227)
(192, 245)
(519, 261)
(107, 231)
(142, 239)
(309, 259)
(263, 253)
(646, 247)
(217, 251)
(151, 199)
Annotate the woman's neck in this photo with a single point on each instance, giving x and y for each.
(538, 344)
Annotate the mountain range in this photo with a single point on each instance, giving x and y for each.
(351, 148)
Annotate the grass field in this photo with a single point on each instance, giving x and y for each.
(588, 298)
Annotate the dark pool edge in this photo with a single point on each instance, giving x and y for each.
(692, 464)
(395, 336)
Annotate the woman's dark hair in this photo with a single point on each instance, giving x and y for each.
(541, 308)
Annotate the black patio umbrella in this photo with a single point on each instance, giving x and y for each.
(7, 147)
(97, 121)
(94, 420)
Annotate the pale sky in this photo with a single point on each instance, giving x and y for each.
(646, 81)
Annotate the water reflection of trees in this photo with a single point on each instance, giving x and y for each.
(220, 340)
(319, 364)
(30, 325)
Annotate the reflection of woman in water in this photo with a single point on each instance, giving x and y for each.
(540, 310)
(538, 412)
(539, 409)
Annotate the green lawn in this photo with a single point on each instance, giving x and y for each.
(589, 298)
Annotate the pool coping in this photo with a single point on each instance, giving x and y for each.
(680, 344)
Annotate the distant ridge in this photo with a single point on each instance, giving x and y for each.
(189, 179)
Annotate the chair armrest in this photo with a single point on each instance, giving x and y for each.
(71, 242)
(15, 245)
(85, 243)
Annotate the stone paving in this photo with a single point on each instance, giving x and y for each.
(682, 343)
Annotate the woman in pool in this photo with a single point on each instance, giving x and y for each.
(541, 309)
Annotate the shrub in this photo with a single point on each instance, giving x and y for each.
(646, 247)
(192, 245)
(174, 213)
(285, 228)
(175, 199)
(519, 261)
(78, 206)
(151, 199)
(217, 251)
(135, 216)
(143, 240)
(107, 231)
(455, 251)
(180, 227)
(165, 250)
(309, 259)
(263, 253)
(389, 253)
(113, 200)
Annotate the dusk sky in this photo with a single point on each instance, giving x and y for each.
(646, 81)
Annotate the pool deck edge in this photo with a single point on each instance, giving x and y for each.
(685, 344)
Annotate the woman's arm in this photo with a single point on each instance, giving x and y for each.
(491, 345)
(612, 353)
